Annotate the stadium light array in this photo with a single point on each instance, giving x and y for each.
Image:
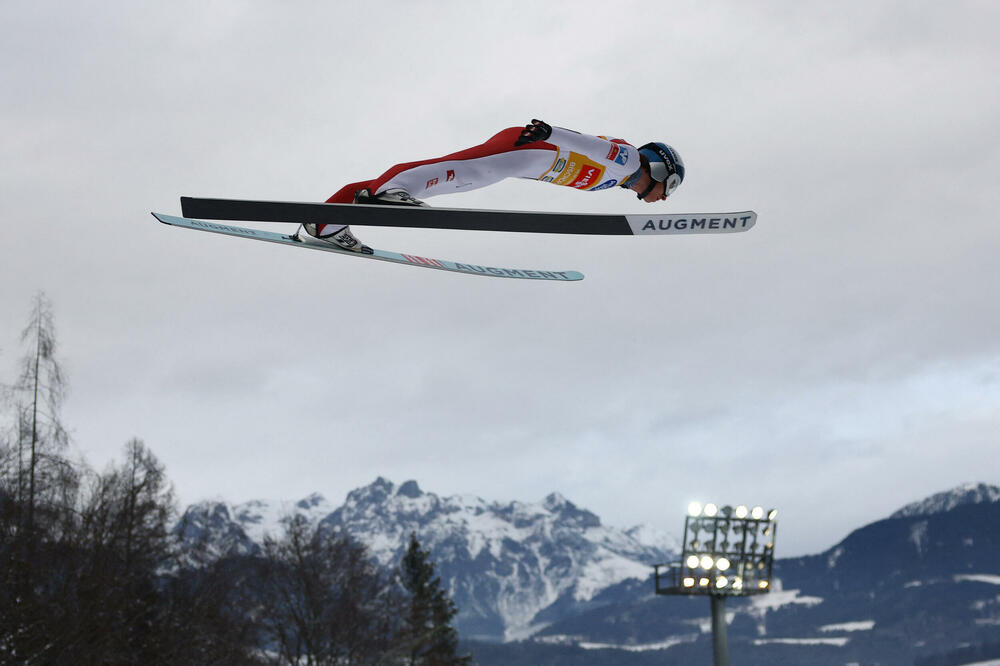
(725, 552)
(731, 548)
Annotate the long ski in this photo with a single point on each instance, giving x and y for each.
(380, 255)
(468, 219)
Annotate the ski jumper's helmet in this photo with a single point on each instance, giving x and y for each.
(665, 166)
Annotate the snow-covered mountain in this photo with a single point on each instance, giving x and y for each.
(919, 583)
(504, 563)
(922, 586)
(970, 493)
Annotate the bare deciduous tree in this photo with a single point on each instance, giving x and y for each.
(328, 602)
(40, 435)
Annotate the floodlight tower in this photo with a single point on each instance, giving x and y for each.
(726, 552)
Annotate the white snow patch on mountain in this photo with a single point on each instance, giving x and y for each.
(969, 493)
(777, 598)
(918, 535)
(603, 572)
(262, 518)
(978, 578)
(646, 535)
(643, 647)
(837, 642)
(860, 625)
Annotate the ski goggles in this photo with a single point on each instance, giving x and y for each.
(662, 170)
(658, 174)
(671, 182)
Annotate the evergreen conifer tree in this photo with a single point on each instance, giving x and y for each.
(431, 639)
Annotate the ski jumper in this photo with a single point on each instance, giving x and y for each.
(568, 158)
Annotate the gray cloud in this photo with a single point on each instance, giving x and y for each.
(838, 360)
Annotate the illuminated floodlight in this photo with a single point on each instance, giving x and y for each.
(734, 543)
(725, 552)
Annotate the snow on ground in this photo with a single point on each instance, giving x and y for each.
(861, 625)
(776, 599)
(978, 578)
(773, 600)
(644, 647)
(704, 624)
(836, 642)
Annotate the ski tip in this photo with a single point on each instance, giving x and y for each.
(166, 219)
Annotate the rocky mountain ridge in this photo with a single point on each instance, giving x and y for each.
(552, 572)
(504, 563)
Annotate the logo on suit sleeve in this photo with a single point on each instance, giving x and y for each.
(589, 174)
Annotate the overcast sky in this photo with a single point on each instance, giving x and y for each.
(838, 361)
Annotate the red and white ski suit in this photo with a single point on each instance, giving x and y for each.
(566, 158)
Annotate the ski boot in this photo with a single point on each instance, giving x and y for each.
(395, 196)
(337, 235)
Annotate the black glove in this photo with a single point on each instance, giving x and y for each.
(536, 131)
